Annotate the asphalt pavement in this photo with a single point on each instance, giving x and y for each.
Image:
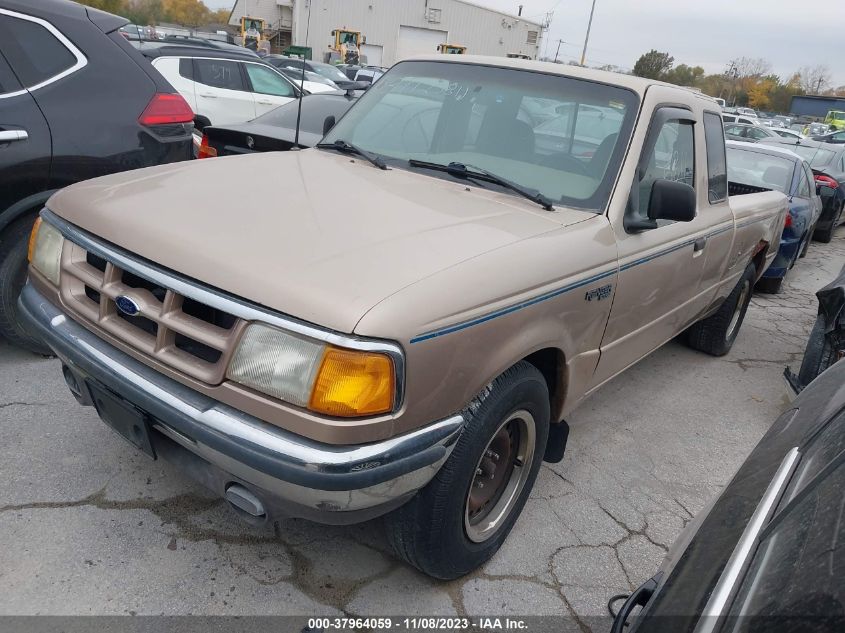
(90, 526)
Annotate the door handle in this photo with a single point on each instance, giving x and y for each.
(266, 102)
(9, 136)
(208, 95)
(699, 244)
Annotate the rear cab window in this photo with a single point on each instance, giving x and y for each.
(717, 168)
(36, 51)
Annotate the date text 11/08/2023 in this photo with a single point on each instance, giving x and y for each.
(417, 624)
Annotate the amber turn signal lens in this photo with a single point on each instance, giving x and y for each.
(353, 384)
(32, 238)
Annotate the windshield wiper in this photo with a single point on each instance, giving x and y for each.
(348, 148)
(461, 170)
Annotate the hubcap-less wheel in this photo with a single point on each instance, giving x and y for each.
(740, 304)
(500, 475)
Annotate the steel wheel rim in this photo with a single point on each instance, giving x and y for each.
(509, 476)
(732, 328)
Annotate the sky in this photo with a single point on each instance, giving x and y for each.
(705, 33)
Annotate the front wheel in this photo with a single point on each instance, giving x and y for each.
(769, 285)
(716, 334)
(461, 518)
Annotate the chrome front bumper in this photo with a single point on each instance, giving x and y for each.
(291, 475)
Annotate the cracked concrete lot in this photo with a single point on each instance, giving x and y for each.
(89, 526)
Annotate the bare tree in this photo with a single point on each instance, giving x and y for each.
(750, 67)
(814, 79)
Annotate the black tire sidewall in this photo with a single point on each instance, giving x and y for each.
(440, 506)
(13, 266)
(748, 276)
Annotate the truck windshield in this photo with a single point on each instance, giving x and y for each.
(559, 136)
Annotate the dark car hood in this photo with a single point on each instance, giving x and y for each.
(678, 603)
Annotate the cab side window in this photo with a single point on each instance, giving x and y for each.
(717, 168)
(218, 73)
(673, 158)
(268, 82)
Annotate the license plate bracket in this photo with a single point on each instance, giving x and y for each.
(130, 422)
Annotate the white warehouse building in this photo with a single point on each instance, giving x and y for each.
(395, 29)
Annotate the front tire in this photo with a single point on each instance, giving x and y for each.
(716, 334)
(818, 355)
(13, 270)
(461, 518)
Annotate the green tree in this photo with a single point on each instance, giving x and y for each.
(653, 64)
(683, 75)
(186, 12)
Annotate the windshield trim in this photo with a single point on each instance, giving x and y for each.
(610, 181)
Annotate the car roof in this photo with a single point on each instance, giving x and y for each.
(765, 149)
(173, 49)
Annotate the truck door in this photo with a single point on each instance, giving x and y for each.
(660, 268)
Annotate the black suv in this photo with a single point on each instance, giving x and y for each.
(76, 102)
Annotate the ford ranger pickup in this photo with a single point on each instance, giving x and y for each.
(398, 321)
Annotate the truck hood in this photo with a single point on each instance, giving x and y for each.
(316, 235)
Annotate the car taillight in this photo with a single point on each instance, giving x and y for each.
(826, 181)
(206, 150)
(165, 109)
(788, 221)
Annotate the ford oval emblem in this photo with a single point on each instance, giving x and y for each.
(128, 306)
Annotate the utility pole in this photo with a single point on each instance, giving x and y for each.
(819, 85)
(559, 42)
(587, 39)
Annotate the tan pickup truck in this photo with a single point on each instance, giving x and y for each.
(398, 321)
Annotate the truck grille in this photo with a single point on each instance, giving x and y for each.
(191, 337)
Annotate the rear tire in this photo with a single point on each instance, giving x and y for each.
(453, 525)
(818, 355)
(716, 334)
(826, 235)
(13, 269)
(769, 285)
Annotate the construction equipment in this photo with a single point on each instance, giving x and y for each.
(451, 49)
(252, 31)
(346, 48)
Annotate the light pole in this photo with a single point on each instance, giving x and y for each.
(587, 39)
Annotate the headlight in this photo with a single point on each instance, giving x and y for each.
(45, 250)
(307, 373)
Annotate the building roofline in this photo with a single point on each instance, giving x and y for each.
(820, 97)
(507, 15)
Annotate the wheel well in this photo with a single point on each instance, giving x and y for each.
(201, 122)
(551, 363)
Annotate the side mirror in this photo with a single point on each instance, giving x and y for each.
(672, 200)
(328, 124)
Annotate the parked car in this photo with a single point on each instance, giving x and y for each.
(737, 118)
(828, 165)
(222, 87)
(826, 344)
(816, 129)
(369, 74)
(788, 133)
(328, 71)
(312, 84)
(375, 326)
(774, 168)
(835, 119)
(767, 554)
(276, 130)
(783, 121)
(58, 125)
(831, 137)
(748, 132)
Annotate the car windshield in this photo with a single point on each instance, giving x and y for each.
(816, 156)
(330, 72)
(839, 116)
(559, 136)
(760, 170)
